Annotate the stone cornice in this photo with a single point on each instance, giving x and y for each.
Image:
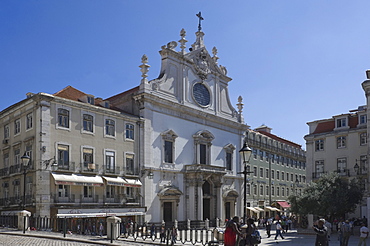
(184, 112)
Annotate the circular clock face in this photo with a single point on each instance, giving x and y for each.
(201, 94)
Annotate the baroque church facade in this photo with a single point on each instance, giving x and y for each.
(190, 136)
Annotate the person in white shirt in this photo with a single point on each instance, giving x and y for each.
(329, 226)
(279, 228)
(364, 233)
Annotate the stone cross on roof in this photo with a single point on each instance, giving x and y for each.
(199, 15)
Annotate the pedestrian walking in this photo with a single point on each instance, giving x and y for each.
(101, 229)
(174, 235)
(268, 227)
(321, 233)
(279, 229)
(232, 229)
(250, 229)
(152, 230)
(289, 221)
(346, 229)
(364, 233)
(329, 227)
(163, 234)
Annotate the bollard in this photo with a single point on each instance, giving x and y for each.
(24, 224)
(111, 233)
(64, 227)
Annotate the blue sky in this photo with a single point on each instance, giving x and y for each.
(291, 61)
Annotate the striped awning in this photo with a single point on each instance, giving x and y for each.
(133, 183)
(66, 179)
(115, 181)
(253, 209)
(272, 208)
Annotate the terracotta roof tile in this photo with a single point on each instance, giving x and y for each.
(131, 91)
(70, 93)
(326, 126)
(280, 139)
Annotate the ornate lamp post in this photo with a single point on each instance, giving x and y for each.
(25, 161)
(245, 154)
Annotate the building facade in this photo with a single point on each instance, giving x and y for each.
(340, 144)
(82, 157)
(278, 169)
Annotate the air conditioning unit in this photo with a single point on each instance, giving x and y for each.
(5, 141)
(91, 166)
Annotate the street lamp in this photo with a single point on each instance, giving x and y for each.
(296, 185)
(357, 168)
(25, 160)
(245, 154)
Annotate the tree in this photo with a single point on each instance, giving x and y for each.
(331, 195)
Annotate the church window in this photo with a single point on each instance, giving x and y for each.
(169, 138)
(201, 94)
(229, 150)
(203, 143)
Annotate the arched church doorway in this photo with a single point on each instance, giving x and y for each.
(207, 200)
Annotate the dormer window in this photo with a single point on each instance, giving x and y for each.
(362, 119)
(90, 100)
(342, 122)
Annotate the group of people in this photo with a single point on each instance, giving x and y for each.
(323, 228)
(236, 234)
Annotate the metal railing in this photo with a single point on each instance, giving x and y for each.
(194, 232)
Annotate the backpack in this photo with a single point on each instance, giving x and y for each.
(255, 237)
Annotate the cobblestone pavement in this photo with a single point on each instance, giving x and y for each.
(43, 238)
(8, 240)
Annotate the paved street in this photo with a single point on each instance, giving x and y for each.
(42, 238)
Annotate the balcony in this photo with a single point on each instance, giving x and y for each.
(112, 200)
(89, 168)
(131, 171)
(64, 199)
(66, 166)
(317, 175)
(343, 172)
(92, 199)
(114, 170)
(131, 200)
(16, 201)
(15, 169)
(4, 171)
